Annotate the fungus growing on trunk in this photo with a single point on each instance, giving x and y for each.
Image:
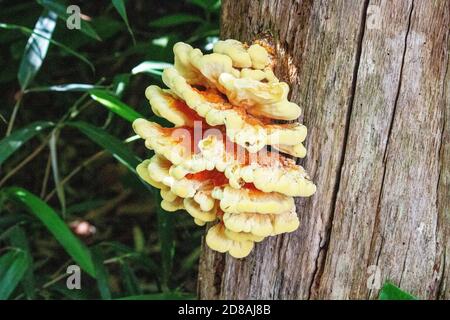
(221, 162)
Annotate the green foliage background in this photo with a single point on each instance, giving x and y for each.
(67, 151)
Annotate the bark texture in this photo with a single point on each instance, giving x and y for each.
(372, 78)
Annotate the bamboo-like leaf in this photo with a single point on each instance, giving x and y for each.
(392, 292)
(139, 239)
(72, 245)
(36, 48)
(162, 42)
(191, 260)
(13, 219)
(55, 169)
(115, 105)
(29, 32)
(5, 233)
(207, 5)
(84, 206)
(68, 294)
(120, 82)
(14, 265)
(102, 274)
(202, 32)
(167, 244)
(15, 140)
(140, 258)
(121, 9)
(60, 8)
(70, 87)
(153, 67)
(19, 240)
(175, 20)
(113, 145)
(6, 260)
(129, 279)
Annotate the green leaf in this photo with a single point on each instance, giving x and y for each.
(175, 20)
(70, 87)
(13, 266)
(102, 274)
(115, 105)
(120, 82)
(29, 32)
(7, 221)
(392, 292)
(107, 27)
(60, 8)
(204, 31)
(5, 233)
(55, 169)
(84, 206)
(19, 240)
(6, 260)
(167, 244)
(161, 296)
(36, 48)
(208, 5)
(131, 254)
(153, 67)
(120, 7)
(161, 41)
(57, 227)
(129, 279)
(68, 294)
(191, 260)
(138, 237)
(15, 140)
(116, 147)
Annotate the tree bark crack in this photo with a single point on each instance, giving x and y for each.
(369, 294)
(444, 122)
(441, 287)
(316, 275)
(385, 153)
(440, 293)
(316, 267)
(404, 261)
(399, 86)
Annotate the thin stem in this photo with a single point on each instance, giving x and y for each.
(119, 258)
(3, 119)
(45, 285)
(46, 176)
(30, 157)
(13, 115)
(85, 163)
(74, 172)
(48, 284)
(109, 205)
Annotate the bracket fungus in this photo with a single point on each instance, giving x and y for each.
(221, 160)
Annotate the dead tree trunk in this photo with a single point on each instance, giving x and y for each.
(372, 78)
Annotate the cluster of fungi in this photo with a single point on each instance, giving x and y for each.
(221, 160)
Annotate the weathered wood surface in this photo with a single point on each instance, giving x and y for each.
(372, 78)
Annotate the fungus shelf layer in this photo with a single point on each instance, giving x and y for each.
(215, 162)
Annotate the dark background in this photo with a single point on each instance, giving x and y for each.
(137, 249)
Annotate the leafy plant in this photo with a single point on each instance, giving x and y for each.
(392, 292)
(68, 99)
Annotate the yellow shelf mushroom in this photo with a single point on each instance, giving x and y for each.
(215, 162)
(191, 152)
